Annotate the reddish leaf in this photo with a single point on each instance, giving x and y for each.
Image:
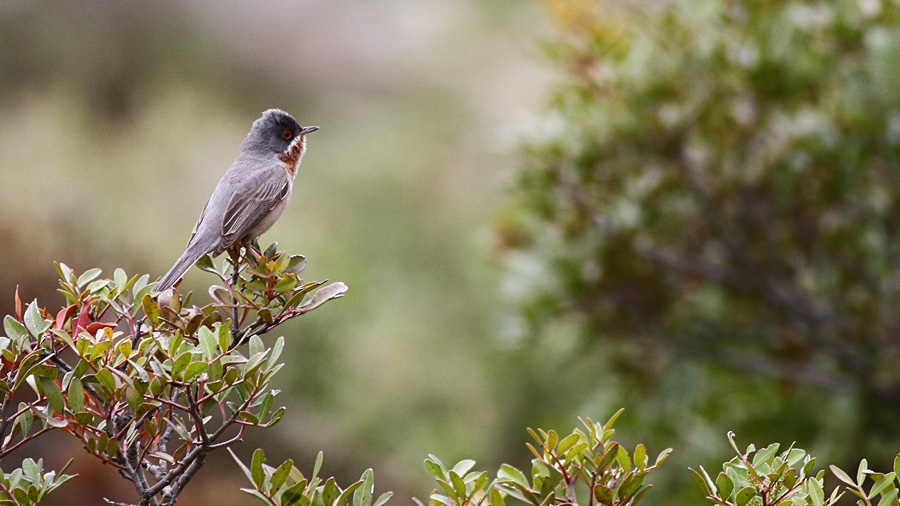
(83, 316)
(63, 315)
(94, 327)
(18, 305)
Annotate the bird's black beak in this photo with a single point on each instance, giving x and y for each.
(306, 130)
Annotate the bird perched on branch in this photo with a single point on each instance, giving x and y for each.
(251, 195)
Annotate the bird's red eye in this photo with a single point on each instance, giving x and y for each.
(286, 135)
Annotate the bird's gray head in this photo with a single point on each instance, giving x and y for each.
(273, 133)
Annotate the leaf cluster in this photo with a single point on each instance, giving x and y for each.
(884, 485)
(767, 478)
(29, 484)
(587, 462)
(286, 485)
(151, 383)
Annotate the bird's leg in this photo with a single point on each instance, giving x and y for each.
(251, 247)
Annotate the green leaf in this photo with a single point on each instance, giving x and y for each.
(463, 466)
(65, 272)
(448, 488)
(97, 285)
(266, 404)
(329, 492)
(702, 482)
(222, 330)
(285, 284)
(134, 398)
(434, 469)
(345, 494)
(458, 485)
(551, 441)
(98, 351)
(276, 352)
(608, 457)
(568, 442)
(383, 498)
(363, 495)
(33, 320)
(265, 314)
(603, 495)
(623, 460)
(250, 417)
(194, 369)
(841, 475)
(663, 455)
(121, 280)
(276, 416)
(881, 484)
(208, 342)
(151, 309)
(205, 263)
(76, 395)
(280, 475)
(256, 345)
(815, 492)
(861, 472)
(889, 498)
(281, 264)
(807, 467)
(87, 277)
(317, 466)
(25, 419)
(324, 294)
(496, 499)
(254, 362)
(296, 264)
(732, 443)
(725, 485)
(106, 379)
(744, 495)
(180, 363)
(612, 419)
(294, 494)
(256, 470)
(640, 457)
(13, 328)
(508, 472)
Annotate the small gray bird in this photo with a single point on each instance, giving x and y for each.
(251, 195)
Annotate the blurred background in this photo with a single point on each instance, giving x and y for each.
(543, 210)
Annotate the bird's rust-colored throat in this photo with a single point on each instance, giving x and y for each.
(293, 154)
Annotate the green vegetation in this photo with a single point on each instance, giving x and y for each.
(703, 230)
(149, 384)
(712, 205)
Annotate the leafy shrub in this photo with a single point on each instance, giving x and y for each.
(149, 383)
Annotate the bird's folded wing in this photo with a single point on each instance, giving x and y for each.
(247, 209)
(197, 225)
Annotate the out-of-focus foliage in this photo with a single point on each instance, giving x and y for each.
(713, 199)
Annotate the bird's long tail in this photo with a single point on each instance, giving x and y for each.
(188, 258)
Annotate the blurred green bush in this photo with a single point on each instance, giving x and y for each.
(711, 204)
